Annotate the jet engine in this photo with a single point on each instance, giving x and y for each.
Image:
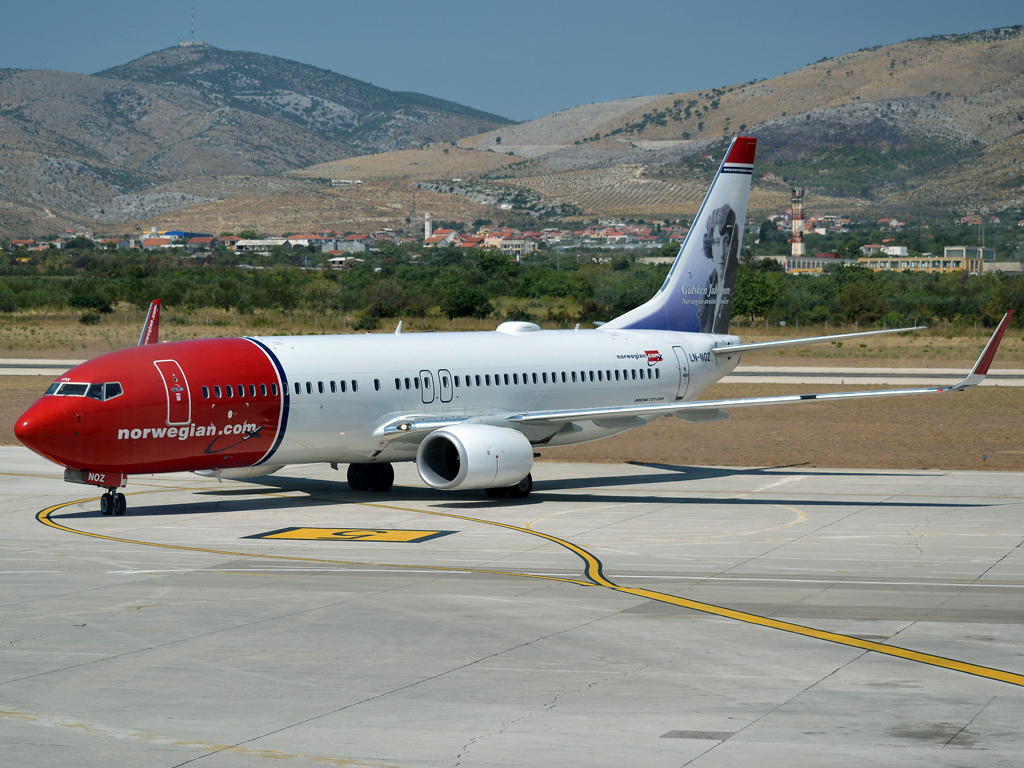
(474, 456)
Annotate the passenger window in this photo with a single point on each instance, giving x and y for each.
(616, 375)
(407, 383)
(398, 384)
(320, 387)
(114, 390)
(241, 391)
(95, 392)
(230, 390)
(263, 390)
(591, 375)
(487, 378)
(416, 382)
(634, 374)
(216, 392)
(657, 373)
(506, 379)
(478, 380)
(515, 378)
(545, 376)
(574, 377)
(298, 388)
(309, 388)
(535, 378)
(273, 389)
(456, 381)
(526, 378)
(376, 384)
(600, 376)
(206, 393)
(355, 385)
(563, 377)
(608, 375)
(342, 385)
(252, 390)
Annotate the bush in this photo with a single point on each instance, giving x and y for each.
(466, 301)
(367, 323)
(89, 318)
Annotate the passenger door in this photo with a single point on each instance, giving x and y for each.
(427, 386)
(444, 384)
(684, 372)
(179, 401)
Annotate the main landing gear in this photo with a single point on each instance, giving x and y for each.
(371, 477)
(518, 491)
(113, 503)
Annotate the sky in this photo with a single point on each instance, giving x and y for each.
(520, 59)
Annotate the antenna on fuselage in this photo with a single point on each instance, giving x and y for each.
(398, 330)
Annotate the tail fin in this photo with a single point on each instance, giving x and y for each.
(698, 292)
(151, 328)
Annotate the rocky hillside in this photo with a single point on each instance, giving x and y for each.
(78, 150)
(362, 116)
(878, 126)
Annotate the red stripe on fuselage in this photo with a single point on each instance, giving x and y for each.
(131, 433)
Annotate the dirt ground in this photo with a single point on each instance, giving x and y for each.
(950, 431)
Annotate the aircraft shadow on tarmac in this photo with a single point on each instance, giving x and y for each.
(329, 493)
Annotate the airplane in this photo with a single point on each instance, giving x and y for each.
(470, 409)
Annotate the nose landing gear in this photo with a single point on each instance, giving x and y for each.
(373, 477)
(113, 503)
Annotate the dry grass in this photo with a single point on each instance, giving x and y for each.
(435, 161)
(950, 431)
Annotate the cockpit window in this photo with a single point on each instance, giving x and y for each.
(95, 391)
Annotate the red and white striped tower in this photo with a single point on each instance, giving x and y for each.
(798, 221)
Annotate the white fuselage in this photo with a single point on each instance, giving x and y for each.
(481, 377)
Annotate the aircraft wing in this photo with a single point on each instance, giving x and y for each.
(693, 411)
(762, 346)
(713, 410)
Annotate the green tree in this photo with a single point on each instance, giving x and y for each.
(757, 293)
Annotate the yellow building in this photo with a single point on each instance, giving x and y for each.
(956, 258)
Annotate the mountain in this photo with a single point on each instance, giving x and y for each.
(150, 137)
(362, 116)
(920, 124)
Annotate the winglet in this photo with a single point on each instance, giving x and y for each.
(151, 328)
(978, 373)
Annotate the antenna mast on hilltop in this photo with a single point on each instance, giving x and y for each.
(193, 25)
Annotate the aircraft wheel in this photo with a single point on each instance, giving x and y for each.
(120, 504)
(496, 493)
(381, 476)
(357, 477)
(107, 504)
(521, 489)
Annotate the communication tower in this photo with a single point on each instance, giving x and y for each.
(428, 226)
(798, 221)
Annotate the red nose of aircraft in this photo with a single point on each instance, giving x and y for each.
(43, 427)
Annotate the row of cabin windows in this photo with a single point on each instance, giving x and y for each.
(485, 380)
(333, 386)
(230, 390)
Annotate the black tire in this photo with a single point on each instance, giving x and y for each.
(357, 477)
(521, 489)
(107, 504)
(120, 504)
(496, 493)
(381, 477)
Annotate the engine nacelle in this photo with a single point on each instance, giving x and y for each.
(474, 456)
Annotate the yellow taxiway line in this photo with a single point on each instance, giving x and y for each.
(596, 578)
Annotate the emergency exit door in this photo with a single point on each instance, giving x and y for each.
(179, 401)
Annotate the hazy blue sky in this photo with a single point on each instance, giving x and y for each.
(519, 58)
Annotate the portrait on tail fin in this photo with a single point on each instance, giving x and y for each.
(721, 246)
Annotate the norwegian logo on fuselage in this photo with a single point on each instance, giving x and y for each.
(653, 356)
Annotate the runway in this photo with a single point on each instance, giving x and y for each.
(623, 615)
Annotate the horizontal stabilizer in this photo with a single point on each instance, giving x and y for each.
(763, 346)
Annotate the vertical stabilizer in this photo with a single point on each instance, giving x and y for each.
(698, 292)
(151, 328)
